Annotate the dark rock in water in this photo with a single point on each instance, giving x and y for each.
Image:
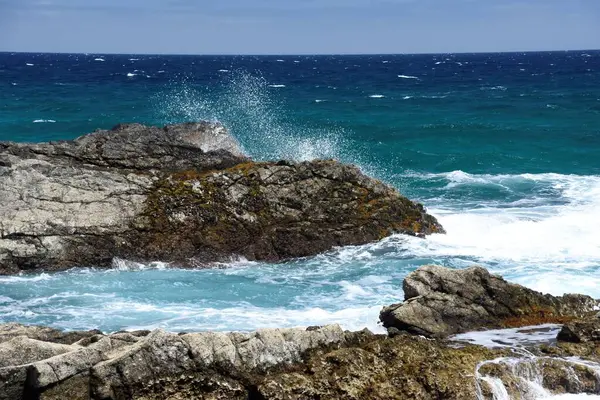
(269, 211)
(184, 194)
(440, 302)
(581, 331)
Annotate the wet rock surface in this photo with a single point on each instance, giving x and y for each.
(581, 331)
(440, 302)
(184, 194)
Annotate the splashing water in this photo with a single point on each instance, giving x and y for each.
(254, 114)
(529, 374)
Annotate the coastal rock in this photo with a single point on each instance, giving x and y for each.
(269, 211)
(42, 333)
(581, 331)
(62, 204)
(276, 364)
(523, 377)
(184, 194)
(122, 365)
(440, 302)
(23, 350)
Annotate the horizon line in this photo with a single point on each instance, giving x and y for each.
(295, 54)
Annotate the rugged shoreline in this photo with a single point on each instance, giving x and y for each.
(183, 194)
(314, 363)
(187, 194)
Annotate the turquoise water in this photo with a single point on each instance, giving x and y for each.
(502, 148)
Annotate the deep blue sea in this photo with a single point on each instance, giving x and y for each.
(503, 148)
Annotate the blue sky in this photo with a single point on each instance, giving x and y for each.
(297, 26)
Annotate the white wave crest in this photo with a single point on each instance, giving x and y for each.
(408, 77)
(501, 88)
(42, 121)
(99, 59)
(558, 240)
(277, 86)
(131, 74)
(376, 96)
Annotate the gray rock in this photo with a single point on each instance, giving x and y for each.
(120, 365)
(440, 302)
(13, 330)
(64, 204)
(182, 194)
(23, 350)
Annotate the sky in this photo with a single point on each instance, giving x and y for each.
(297, 26)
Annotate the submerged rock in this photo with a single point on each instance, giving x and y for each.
(440, 302)
(184, 194)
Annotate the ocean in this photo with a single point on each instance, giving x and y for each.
(502, 148)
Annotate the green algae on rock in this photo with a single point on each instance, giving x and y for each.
(270, 211)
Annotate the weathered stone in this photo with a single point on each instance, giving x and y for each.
(186, 358)
(553, 374)
(405, 367)
(22, 350)
(183, 194)
(12, 330)
(48, 372)
(270, 211)
(581, 331)
(12, 382)
(64, 204)
(440, 302)
(274, 364)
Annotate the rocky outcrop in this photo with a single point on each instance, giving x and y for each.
(440, 302)
(184, 194)
(277, 364)
(43, 333)
(325, 362)
(124, 366)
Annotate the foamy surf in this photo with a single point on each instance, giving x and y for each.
(543, 236)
